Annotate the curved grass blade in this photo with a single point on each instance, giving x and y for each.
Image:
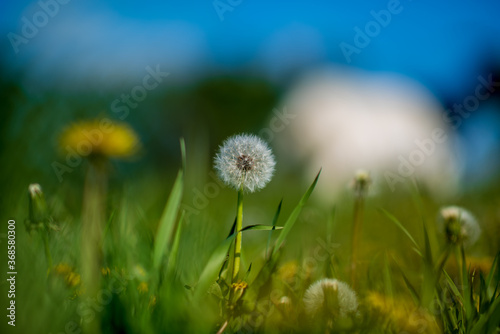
(275, 220)
(413, 291)
(402, 228)
(172, 257)
(212, 268)
(493, 271)
(489, 321)
(293, 216)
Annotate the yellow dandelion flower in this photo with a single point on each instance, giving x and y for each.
(239, 290)
(143, 287)
(71, 278)
(152, 301)
(482, 264)
(401, 314)
(288, 271)
(62, 269)
(100, 138)
(105, 271)
(476, 264)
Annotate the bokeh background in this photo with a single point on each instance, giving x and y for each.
(231, 65)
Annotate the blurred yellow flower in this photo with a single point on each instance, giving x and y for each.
(143, 287)
(152, 301)
(100, 138)
(476, 264)
(288, 271)
(239, 289)
(106, 271)
(71, 278)
(401, 314)
(481, 264)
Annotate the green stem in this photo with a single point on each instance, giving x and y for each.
(458, 258)
(356, 231)
(94, 198)
(237, 243)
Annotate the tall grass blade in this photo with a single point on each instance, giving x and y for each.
(402, 228)
(293, 217)
(168, 218)
(275, 220)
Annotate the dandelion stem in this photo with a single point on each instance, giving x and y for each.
(356, 231)
(460, 267)
(237, 243)
(92, 224)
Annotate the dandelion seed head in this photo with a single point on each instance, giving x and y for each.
(245, 161)
(285, 305)
(330, 296)
(361, 182)
(35, 190)
(459, 225)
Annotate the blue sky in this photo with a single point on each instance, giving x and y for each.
(442, 44)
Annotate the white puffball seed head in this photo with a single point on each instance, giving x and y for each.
(245, 161)
(330, 296)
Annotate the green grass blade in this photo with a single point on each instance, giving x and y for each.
(183, 153)
(108, 225)
(275, 221)
(387, 277)
(428, 251)
(168, 218)
(172, 257)
(212, 268)
(454, 288)
(293, 217)
(259, 227)
(492, 272)
(411, 288)
(248, 273)
(402, 228)
(488, 322)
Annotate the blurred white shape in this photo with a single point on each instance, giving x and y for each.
(350, 119)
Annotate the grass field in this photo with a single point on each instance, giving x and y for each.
(111, 250)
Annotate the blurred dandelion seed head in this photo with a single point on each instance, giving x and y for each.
(330, 296)
(361, 182)
(245, 161)
(459, 225)
(92, 138)
(35, 190)
(285, 305)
